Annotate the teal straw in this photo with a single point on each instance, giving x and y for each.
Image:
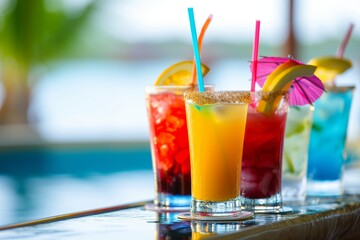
(196, 50)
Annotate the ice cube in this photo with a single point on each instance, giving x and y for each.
(165, 164)
(174, 123)
(264, 184)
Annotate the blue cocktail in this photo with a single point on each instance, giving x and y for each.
(327, 142)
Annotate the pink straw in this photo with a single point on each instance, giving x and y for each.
(345, 41)
(255, 54)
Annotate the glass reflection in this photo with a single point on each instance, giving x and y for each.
(203, 229)
(170, 227)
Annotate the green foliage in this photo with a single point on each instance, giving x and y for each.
(32, 33)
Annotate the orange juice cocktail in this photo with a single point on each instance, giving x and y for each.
(216, 124)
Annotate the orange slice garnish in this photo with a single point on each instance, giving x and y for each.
(179, 74)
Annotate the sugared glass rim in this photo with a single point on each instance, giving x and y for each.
(215, 97)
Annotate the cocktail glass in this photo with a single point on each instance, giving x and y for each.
(295, 156)
(327, 142)
(216, 125)
(263, 149)
(169, 145)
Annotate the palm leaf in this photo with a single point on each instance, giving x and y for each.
(67, 31)
(31, 34)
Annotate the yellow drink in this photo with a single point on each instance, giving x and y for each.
(216, 124)
(217, 136)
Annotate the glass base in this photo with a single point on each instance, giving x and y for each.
(168, 200)
(293, 190)
(272, 204)
(231, 207)
(325, 188)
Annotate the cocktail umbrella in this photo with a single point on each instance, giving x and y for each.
(304, 90)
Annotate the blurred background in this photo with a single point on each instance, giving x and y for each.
(73, 124)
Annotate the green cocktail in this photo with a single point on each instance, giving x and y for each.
(295, 157)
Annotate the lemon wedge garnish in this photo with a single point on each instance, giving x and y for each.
(330, 67)
(179, 74)
(280, 81)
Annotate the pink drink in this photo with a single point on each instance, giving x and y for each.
(263, 145)
(262, 155)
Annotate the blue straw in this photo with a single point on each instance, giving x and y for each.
(196, 50)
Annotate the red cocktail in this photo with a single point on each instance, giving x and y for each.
(262, 157)
(169, 145)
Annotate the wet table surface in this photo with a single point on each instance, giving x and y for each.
(61, 180)
(316, 218)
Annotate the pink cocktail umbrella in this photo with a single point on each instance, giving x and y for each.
(304, 90)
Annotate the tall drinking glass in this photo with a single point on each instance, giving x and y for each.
(169, 145)
(216, 122)
(295, 157)
(327, 142)
(263, 149)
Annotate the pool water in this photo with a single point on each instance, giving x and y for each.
(42, 181)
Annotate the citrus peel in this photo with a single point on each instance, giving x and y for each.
(329, 67)
(279, 81)
(179, 74)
